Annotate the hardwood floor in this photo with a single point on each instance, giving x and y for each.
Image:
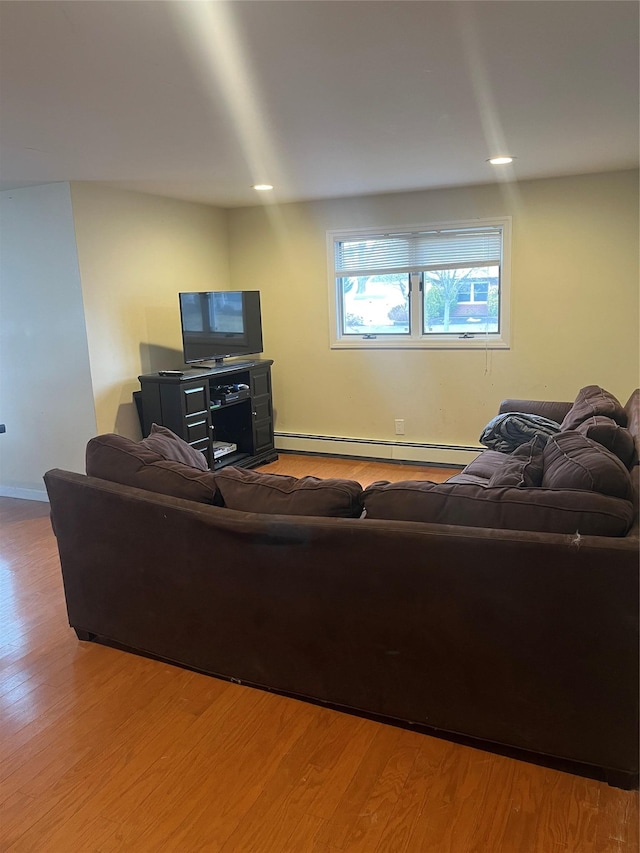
(106, 751)
(364, 471)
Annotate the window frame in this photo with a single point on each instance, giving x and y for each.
(416, 339)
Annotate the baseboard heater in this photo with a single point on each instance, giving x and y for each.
(397, 451)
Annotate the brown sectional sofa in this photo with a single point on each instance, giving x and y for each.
(484, 607)
(570, 483)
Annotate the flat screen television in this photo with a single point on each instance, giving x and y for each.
(221, 324)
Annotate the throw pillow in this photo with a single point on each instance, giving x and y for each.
(539, 510)
(572, 461)
(121, 460)
(509, 430)
(173, 448)
(523, 467)
(593, 400)
(611, 435)
(632, 409)
(252, 491)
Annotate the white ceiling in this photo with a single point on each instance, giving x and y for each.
(322, 98)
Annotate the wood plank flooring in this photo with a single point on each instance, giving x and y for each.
(106, 751)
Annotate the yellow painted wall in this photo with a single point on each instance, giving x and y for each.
(136, 252)
(574, 308)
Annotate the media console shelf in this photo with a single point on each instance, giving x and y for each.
(192, 406)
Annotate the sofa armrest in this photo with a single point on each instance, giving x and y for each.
(552, 410)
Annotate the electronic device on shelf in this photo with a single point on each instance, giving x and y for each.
(222, 448)
(223, 394)
(220, 324)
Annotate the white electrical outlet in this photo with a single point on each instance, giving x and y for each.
(399, 426)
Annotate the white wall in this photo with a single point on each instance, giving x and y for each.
(46, 397)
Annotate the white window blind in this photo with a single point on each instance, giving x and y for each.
(420, 250)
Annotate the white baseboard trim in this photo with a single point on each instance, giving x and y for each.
(397, 451)
(24, 494)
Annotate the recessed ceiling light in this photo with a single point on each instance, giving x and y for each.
(500, 161)
(262, 187)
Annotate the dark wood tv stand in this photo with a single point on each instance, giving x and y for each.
(192, 406)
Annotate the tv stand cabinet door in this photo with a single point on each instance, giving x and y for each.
(262, 411)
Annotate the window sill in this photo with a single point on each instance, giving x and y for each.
(478, 342)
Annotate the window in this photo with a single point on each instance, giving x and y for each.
(441, 285)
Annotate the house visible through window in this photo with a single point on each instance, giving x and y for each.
(475, 291)
(445, 285)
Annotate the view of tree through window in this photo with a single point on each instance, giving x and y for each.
(463, 300)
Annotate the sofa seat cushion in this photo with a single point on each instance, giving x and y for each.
(172, 448)
(535, 509)
(573, 461)
(590, 401)
(485, 465)
(468, 479)
(611, 435)
(121, 460)
(253, 491)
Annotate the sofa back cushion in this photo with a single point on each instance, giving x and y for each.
(172, 448)
(590, 401)
(611, 435)
(121, 460)
(573, 461)
(253, 491)
(538, 509)
(551, 409)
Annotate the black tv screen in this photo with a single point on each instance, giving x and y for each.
(220, 324)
